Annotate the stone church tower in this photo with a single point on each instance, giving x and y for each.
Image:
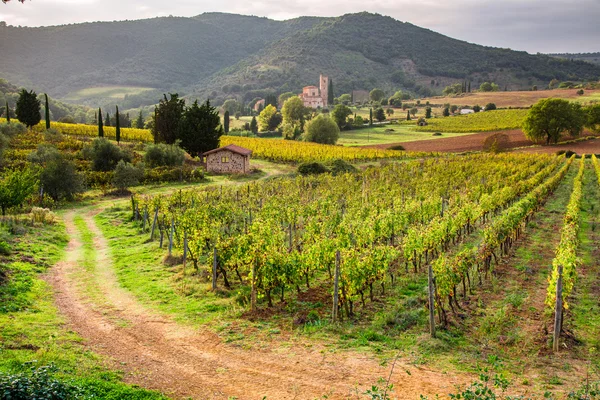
(324, 88)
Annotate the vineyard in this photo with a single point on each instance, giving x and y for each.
(486, 121)
(367, 229)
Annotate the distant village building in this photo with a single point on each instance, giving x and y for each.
(315, 97)
(230, 159)
(260, 105)
(464, 111)
(360, 96)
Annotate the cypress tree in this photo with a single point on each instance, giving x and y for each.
(47, 109)
(469, 88)
(7, 112)
(118, 127)
(408, 115)
(254, 125)
(370, 117)
(100, 124)
(226, 122)
(139, 123)
(107, 119)
(330, 92)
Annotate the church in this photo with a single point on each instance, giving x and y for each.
(316, 97)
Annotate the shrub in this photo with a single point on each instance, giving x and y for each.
(126, 175)
(580, 92)
(11, 129)
(42, 216)
(37, 384)
(437, 134)
(60, 179)
(104, 155)
(322, 129)
(396, 147)
(4, 248)
(496, 143)
(164, 155)
(339, 166)
(312, 168)
(490, 106)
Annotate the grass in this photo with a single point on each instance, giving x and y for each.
(378, 135)
(33, 333)
(112, 92)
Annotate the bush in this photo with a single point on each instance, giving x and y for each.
(60, 179)
(312, 168)
(322, 129)
(164, 155)
(339, 166)
(4, 248)
(12, 129)
(126, 175)
(496, 143)
(42, 216)
(168, 174)
(396, 147)
(37, 384)
(104, 155)
(490, 106)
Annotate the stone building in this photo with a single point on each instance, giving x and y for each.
(315, 97)
(230, 159)
(260, 105)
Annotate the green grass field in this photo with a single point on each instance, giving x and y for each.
(112, 92)
(378, 135)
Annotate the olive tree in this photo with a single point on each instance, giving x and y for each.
(322, 129)
(550, 118)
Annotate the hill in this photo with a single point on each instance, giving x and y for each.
(593, 58)
(220, 55)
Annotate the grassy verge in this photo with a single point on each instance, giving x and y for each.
(33, 333)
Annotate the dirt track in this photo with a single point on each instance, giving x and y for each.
(157, 353)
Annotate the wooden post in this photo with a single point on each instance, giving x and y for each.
(336, 286)
(145, 219)
(558, 308)
(133, 206)
(162, 236)
(442, 212)
(154, 224)
(185, 248)
(253, 292)
(171, 236)
(431, 303)
(214, 269)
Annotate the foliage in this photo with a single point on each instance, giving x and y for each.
(340, 115)
(379, 114)
(496, 143)
(12, 129)
(231, 106)
(16, 186)
(28, 108)
(164, 155)
(488, 87)
(167, 117)
(200, 128)
(101, 124)
(339, 166)
(477, 108)
(104, 154)
(376, 94)
(312, 168)
(550, 118)
(118, 126)
(126, 175)
(38, 383)
(593, 117)
(284, 96)
(479, 122)
(428, 112)
(490, 107)
(226, 122)
(294, 112)
(60, 179)
(254, 125)
(269, 119)
(322, 129)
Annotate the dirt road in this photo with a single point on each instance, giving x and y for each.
(158, 353)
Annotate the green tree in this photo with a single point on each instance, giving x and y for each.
(254, 125)
(414, 111)
(345, 99)
(322, 129)
(488, 87)
(284, 96)
(446, 112)
(340, 115)
(330, 96)
(265, 116)
(226, 122)
(550, 118)
(200, 128)
(126, 175)
(271, 99)
(389, 112)
(427, 112)
(107, 119)
(593, 117)
(476, 108)
(294, 112)
(396, 99)
(408, 115)
(370, 117)
(104, 154)
(60, 179)
(100, 124)
(28, 108)
(16, 186)
(7, 112)
(376, 94)
(47, 111)
(490, 107)
(380, 114)
(139, 123)
(167, 117)
(118, 126)
(230, 105)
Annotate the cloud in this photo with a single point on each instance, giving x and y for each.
(531, 25)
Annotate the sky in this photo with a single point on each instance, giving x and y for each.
(545, 26)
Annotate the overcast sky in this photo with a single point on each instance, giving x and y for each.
(546, 26)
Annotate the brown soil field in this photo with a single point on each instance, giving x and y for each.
(516, 141)
(507, 99)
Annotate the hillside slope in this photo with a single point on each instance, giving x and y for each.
(224, 55)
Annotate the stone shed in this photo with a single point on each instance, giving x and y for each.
(230, 159)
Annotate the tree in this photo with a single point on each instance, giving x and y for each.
(414, 111)
(294, 112)
(254, 125)
(231, 105)
(200, 129)
(408, 116)
(340, 115)
(380, 114)
(453, 108)
(60, 179)
(104, 154)
(284, 96)
(271, 99)
(139, 123)
(100, 124)
(345, 99)
(396, 99)
(370, 117)
(118, 126)
(446, 112)
(265, 116)
(488, 87)
(7, 112)
(593, 117)
(322, 129)
(226, 122)
(167, 117)
(389, 112)
(376, 94)
(330, 96)
(28, 108)
(16, 186)
(427, 112)
(47, 112)
(476, 108)
(550, 118)
(490, 107)
(126, 175)
(107, 119)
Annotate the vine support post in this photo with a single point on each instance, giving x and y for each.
(253, 291)
(558, 313)
(214, 269)
(431, 303)
(172, 234)
(145, 221)
(154, 224)
(336, 287)
(132, 207)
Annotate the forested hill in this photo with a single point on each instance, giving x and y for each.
(593, 58)
(223, 55)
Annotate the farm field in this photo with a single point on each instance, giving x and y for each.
(514, 98)
(104, 92)
(393, 133)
